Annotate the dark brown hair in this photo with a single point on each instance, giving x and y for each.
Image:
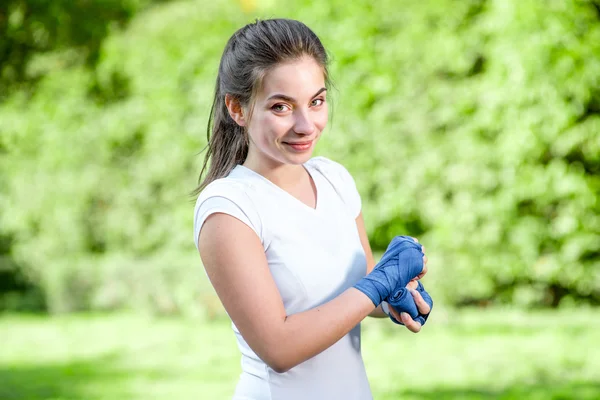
(249, 54)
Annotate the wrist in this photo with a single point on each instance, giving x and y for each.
(374, 286)
(385, 307)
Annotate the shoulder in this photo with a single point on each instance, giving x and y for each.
(234, 189)
(327, 165)
(332, 170)
(227, 196)
(341, 180)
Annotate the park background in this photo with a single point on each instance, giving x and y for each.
(473, 125)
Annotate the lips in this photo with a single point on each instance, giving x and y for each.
(299, 146)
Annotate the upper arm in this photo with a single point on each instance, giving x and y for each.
(364, 240)
(236, 265)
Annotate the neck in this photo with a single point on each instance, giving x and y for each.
(283, 175)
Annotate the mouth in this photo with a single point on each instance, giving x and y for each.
(299, 146)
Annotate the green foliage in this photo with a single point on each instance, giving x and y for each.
(38, 36)
(482, 138)
(98, 192)
(473, 125)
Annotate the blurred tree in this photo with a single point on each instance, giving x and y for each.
(72, 30)
(473, 125)
(37, 37)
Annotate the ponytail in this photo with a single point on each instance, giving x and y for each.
(227, 143)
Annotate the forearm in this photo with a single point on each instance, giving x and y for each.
(308, 333)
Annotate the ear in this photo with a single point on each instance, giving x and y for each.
(236, 111)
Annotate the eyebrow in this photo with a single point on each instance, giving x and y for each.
(291, 99)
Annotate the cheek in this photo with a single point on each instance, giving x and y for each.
(266, 128)
(321, 119)
(273, 126)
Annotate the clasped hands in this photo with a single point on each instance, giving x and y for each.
(395, 280)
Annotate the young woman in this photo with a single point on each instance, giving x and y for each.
(281, 235)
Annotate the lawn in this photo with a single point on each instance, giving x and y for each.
(459, 355)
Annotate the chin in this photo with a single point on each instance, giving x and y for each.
(299, 159)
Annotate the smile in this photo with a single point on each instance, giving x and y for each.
(299, 146)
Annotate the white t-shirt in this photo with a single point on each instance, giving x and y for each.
(314, 254)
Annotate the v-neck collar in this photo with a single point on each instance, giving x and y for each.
(311, 174)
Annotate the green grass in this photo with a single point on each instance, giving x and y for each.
(462, 355)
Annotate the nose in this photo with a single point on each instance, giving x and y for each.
(303, 125)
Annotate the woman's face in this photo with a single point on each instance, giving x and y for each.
(290, 112)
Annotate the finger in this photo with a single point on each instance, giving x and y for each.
(423, 249)
(395, 314)
(415, 239)
(423, 272)
(412, 325)
(422, 305)
(412, 285)
(425, 259)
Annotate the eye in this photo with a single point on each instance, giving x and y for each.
(280, 108)
(317, 102)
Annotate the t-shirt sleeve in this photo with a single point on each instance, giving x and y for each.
(343, 182)
(228, 199)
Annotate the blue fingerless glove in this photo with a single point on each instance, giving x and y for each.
(401, 262)
(403, 301)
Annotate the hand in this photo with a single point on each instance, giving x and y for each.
(422, 306)
(422, 274)
(401, 263)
